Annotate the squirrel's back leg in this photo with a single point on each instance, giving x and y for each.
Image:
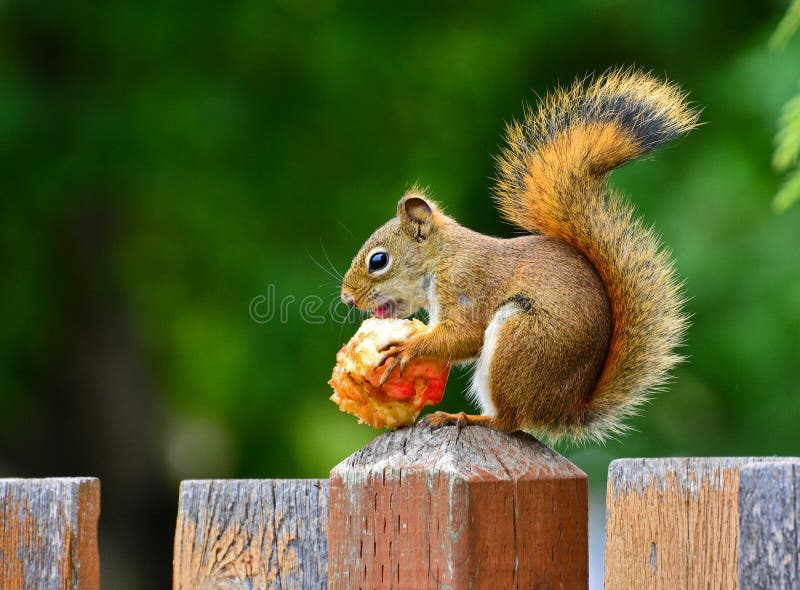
(528, 375)
(479, 389)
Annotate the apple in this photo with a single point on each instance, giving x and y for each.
(356, 376)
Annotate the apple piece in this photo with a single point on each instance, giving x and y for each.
(356, 377)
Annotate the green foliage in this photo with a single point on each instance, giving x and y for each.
(789, 192)
(216, 152)
(787, 140)
(787, 27)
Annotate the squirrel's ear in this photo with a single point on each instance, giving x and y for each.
(416, 216)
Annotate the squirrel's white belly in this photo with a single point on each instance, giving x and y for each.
(479, 391)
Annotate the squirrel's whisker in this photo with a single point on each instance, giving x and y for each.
(335, 277)
(333, 266)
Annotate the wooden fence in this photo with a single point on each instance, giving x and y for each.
(448, 508)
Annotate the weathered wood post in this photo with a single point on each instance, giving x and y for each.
(769, 523)
(457, 508)
(48, 534)
(251, 535)
(690, 522)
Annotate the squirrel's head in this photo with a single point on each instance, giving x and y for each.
(390, 274)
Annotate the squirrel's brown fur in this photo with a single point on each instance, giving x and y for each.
(574, 325)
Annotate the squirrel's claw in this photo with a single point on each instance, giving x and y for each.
(394, 354)
(389, 368)
(394, 344)
(389, 351)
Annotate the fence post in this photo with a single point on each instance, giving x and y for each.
(675, 523)
(250, 534)
(457, 508)
(769, 521)
(48, 534)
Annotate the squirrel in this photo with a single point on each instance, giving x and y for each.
(571, 327)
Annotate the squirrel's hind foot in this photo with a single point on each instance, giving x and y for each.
(439, 419)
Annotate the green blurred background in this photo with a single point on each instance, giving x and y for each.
(166, 166)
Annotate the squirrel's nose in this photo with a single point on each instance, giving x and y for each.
(348, 300)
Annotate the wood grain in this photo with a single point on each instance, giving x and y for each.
(48, 534)
(769, 521)
(457, 508)
(251, 535)
(673, 523)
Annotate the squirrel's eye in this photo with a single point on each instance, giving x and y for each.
(378, 261)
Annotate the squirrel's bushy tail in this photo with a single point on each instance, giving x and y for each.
(552, 181)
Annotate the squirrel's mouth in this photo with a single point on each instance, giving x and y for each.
(386, 309)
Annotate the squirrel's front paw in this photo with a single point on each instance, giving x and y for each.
(395, 354)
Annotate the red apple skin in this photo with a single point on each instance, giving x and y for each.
(429, 374)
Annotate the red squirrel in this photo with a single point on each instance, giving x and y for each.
(569, 327)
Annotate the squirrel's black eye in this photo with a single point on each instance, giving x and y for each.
(378, 261)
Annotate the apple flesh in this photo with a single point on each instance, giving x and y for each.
(356, 376)
(425, 378)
